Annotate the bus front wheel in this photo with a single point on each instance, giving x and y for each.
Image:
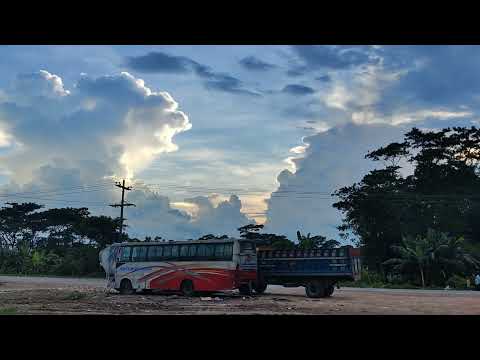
(126, 287)
(187, 288)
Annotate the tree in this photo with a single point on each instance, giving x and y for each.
(252, 232)
(412, 252)
(315, 242)
(436, 256)
(440, 194)
(18, 223)
(212, 237)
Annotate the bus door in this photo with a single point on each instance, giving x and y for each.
(132, 264)
(247, 256)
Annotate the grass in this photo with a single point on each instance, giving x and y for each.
(8, 311)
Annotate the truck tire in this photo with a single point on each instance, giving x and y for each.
(330, 290)
(126, 287)
(260, 287)
(315, 289)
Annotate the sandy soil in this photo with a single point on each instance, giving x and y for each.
(41, 295)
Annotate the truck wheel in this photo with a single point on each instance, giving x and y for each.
(126, 287)
(187, 288)
(245, 289)
(330, 290)
(260, 287)
(315, 289)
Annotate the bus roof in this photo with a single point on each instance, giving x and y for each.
(169, 242)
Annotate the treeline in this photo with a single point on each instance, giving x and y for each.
(422, 228)
(62, 241)
(67, 241)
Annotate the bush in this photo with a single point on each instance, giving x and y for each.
(457, 282)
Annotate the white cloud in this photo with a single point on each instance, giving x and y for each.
(103, 128)
(116, 122)
(333, 159)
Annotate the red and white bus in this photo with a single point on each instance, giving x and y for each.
(185, 266)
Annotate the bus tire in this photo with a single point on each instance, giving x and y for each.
(126, 287)
(330, 290)
(147, 291)
(245, 289)
(260, 287)
(186, 288)
(315, 289)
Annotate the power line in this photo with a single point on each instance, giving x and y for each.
(122, 204)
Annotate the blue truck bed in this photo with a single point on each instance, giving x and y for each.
(318, 270)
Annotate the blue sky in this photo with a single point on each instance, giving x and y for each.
(211, 122)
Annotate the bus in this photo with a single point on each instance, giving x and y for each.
(188, 266)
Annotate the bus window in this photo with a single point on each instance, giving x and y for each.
(201, 250)
(228, 252)
(155, 253)
(167, 251)
(139, 253)
(125, 256)
(175, 251)
(219, 251)
(183, 251)
(246, 246)
(209, 250)
(192, 251)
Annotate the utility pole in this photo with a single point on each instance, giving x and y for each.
(122, 204)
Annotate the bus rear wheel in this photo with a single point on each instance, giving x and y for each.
(126, 287)
(315, 289)
(260, 287)
(186, 288)
(245, 289)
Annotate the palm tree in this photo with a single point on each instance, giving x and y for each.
(412, 251)
(436, 250)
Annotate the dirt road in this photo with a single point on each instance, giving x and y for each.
(51, 295)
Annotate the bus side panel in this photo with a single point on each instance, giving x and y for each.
(204, 278)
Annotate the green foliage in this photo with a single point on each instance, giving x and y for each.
(252, 232)
(315, 242)
(55, 241)
(436, 257)
(441, 194)
(8, 311)
(457, 282)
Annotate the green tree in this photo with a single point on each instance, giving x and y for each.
(413, 252)
(440, 194)
(315, 242)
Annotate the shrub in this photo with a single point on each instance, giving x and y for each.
(457, 282)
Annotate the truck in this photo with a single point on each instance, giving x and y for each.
(318, 270)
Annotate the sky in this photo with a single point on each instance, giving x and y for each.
(215, 137)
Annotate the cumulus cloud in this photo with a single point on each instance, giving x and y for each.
(81, 139)
(327, 161)
(115, 123)
(255, 64)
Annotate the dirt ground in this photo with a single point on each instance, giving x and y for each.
(38, 295)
